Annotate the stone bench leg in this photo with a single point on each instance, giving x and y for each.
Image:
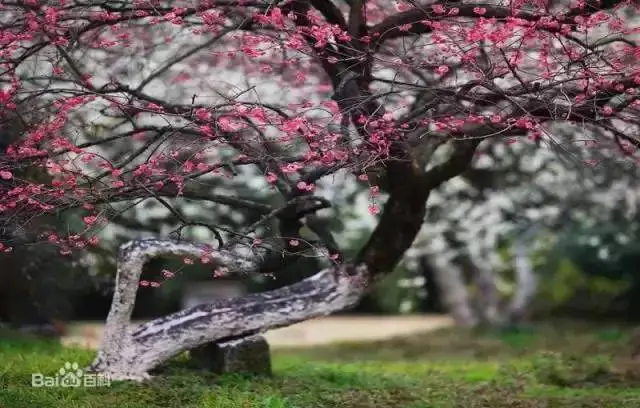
(247, 356)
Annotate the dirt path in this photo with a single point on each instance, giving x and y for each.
(312, 332)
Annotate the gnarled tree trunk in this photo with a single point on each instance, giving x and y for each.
(130, 353)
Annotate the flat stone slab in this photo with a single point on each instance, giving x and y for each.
(246, 356)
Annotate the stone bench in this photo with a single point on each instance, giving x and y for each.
(249, 355)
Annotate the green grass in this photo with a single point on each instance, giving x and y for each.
(567, 365)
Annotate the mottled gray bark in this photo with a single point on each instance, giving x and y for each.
(526, 281)
(488, 298)
(455, 295)
(130, 353)
(485, 306)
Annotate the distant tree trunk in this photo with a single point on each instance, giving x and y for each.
(487, 299)
(526, 282)
(485, 306)
(455, 295)
(432, 302)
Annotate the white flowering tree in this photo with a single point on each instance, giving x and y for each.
(518, 192)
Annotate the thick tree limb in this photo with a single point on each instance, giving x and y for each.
(131, 354)
(131, 259)
(330, 12)
(390, 27)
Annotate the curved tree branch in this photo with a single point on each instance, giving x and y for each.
(130, 354)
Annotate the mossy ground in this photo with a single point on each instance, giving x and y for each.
(561, 365)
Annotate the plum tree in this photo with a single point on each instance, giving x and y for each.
(130, 102)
